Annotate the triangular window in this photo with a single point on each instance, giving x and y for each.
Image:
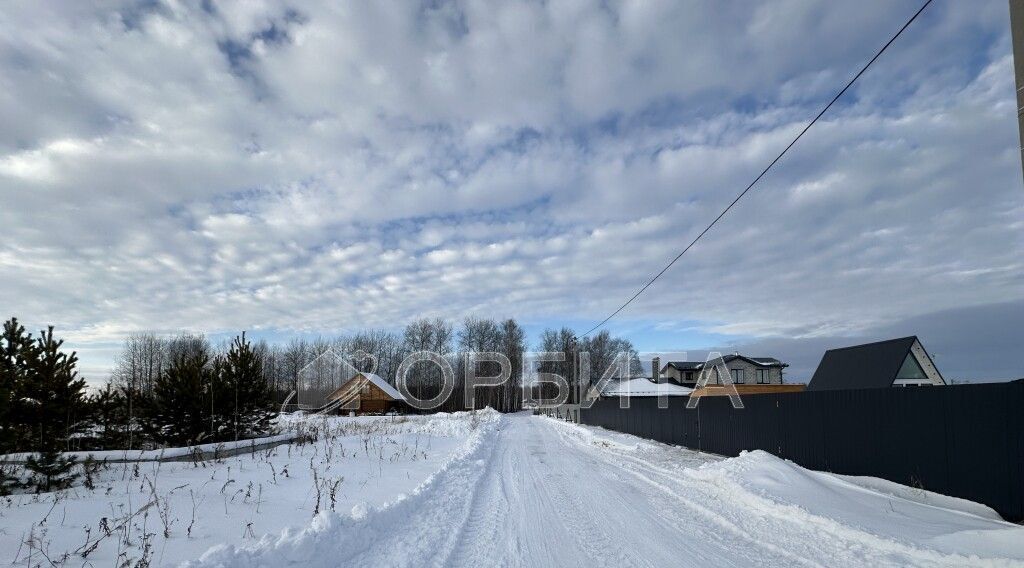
(911, 369)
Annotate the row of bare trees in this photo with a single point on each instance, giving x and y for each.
(425, 380)
(292, 366)
(601, 351)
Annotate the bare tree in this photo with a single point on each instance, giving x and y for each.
(140, 362)
(481, 335)
(434, 335)
(559, 341)
(294, 357)
(603, 349)
(513, 344)
(384, 346)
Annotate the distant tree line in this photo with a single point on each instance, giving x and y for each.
(601, 351)
(192, 395)
(181, 390)
(293, 366)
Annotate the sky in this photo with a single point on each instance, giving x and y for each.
(298, 168)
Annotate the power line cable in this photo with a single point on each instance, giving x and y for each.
(765, 171)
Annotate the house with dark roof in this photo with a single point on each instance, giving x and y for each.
(901, 362)
(743, 370)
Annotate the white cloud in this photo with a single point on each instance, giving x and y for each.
(322, 165)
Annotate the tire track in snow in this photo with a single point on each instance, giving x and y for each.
(664, 493)
(668, 535)
(810, 539)
(486, 516)
(529, 491)
(561, 495)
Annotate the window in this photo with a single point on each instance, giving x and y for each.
(737, 376)
(689, 376)
(763, 377)
(365, 389)
(911, 369)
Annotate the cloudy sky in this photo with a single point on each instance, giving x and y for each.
(299, 168)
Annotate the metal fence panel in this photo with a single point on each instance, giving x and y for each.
(964, 440)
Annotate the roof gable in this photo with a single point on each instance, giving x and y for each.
(871, 365)
(383, 385)
(377, 381)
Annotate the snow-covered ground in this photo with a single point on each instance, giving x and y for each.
(113, 456)
(520, 490)
(172, 512)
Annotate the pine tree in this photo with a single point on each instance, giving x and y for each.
(243, 393)
(51, 469)
(178, 411)
(16, 350)
(108, 413)
(56, 395)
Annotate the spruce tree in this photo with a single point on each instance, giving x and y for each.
(243, 394)
(56, 398)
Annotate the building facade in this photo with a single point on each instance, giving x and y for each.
(743, 370)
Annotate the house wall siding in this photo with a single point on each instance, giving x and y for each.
(750, 372)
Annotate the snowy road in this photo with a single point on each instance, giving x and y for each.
(547, 499)
(535, 492)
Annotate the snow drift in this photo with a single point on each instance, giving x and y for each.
(332, 537)
(857, 506)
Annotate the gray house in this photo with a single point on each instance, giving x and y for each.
(744, 371)
(901, 362)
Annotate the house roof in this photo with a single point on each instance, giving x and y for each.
(698, 365)
(379, 382)
(767, 361)
(871, 365)
(644, 387)
(684, 365)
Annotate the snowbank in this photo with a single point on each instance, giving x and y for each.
(164, 513)
(164, 454)
(645, 387)
(862, 520)
(332, 537)
(846, 505)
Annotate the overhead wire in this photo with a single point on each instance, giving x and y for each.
(764, 171)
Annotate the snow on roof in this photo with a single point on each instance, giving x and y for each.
(698, 365)
(645, 387)
(383, 385)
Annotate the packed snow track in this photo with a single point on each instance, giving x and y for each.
(531, 491)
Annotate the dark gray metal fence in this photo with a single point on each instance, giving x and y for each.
(962, 440)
